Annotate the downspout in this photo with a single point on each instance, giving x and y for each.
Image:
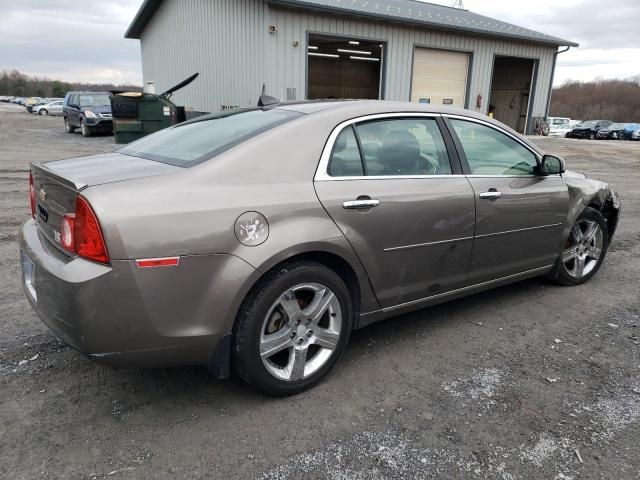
(553, 73)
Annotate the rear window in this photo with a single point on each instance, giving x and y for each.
(194, 142)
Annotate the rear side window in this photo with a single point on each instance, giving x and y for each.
(194, 142)
(490, 152)
(393, 147)
(345, 159)
(408, 146)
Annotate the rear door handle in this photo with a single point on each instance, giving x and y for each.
(491, 195)
(360, 204)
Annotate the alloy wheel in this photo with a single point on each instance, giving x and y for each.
(300, 331)
(583, 248)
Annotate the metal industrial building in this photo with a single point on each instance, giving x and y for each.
(306, 49)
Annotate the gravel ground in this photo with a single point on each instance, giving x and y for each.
(530, 380)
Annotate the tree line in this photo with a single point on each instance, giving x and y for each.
(18, 84)
(616, 100)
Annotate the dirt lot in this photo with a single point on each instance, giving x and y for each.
(526, 381)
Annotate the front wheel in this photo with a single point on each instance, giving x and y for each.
(584, 250)
(292, 328)
(592, 136)
(86, 132)
(43, 111)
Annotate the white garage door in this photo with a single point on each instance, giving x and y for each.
(439, 77)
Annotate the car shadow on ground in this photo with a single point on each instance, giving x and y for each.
(195, 384)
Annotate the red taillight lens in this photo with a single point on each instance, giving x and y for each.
(80, 233)
(88, 239)
(32, 196)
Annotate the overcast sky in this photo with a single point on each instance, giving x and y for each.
(84, 40)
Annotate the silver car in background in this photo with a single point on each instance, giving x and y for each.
(257, 239)
(49, 108)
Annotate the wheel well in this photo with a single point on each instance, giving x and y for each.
(340, 267)
(609, 213)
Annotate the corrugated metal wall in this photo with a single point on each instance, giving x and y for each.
(228, 42)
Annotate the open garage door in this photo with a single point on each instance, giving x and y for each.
(439, 77)
(344, 68)
(511, 91)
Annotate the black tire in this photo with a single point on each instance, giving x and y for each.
(592, 136)
(43, 111)
(86, 131)
(246, 360)
(545, 129)
(560, 274)
(68, 127)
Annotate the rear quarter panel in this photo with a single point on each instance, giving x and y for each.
(193, 212)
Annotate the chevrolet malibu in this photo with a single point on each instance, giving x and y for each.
(257, 239)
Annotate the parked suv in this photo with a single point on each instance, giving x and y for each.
(89, 111)
(588, 129)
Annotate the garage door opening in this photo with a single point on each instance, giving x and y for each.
(511, 91)
(439, 77)
(344, 68)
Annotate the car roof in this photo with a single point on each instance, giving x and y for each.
(373, 107)
(342, 110)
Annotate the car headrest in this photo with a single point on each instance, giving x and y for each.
(400, 150)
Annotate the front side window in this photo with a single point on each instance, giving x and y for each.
(490, 152)
(196, 141)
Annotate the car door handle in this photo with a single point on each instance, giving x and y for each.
(360, 204)
(491, 195)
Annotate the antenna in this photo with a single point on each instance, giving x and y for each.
(458, 4)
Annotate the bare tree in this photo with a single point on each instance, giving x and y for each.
(616, 100)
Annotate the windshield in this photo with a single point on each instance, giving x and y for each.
(617, 126)
(560, 121)
(101, 100)
(193, 142)
(589, 124)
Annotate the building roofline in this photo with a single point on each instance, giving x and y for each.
(140, 21)
(149, 7)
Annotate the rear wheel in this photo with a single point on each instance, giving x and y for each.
(292, 328)
(592, 136)
(43, 111)
(583, 251)
(68, 127)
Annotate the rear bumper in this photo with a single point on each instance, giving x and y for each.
(126, 316)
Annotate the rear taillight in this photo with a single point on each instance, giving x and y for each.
(32, 196)
(80, 233)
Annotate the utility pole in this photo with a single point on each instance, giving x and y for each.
(458, 4)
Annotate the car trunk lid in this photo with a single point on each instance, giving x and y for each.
(58, 183)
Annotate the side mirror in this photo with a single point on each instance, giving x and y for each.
(552, 165)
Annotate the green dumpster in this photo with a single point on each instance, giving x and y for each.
(136, 114)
